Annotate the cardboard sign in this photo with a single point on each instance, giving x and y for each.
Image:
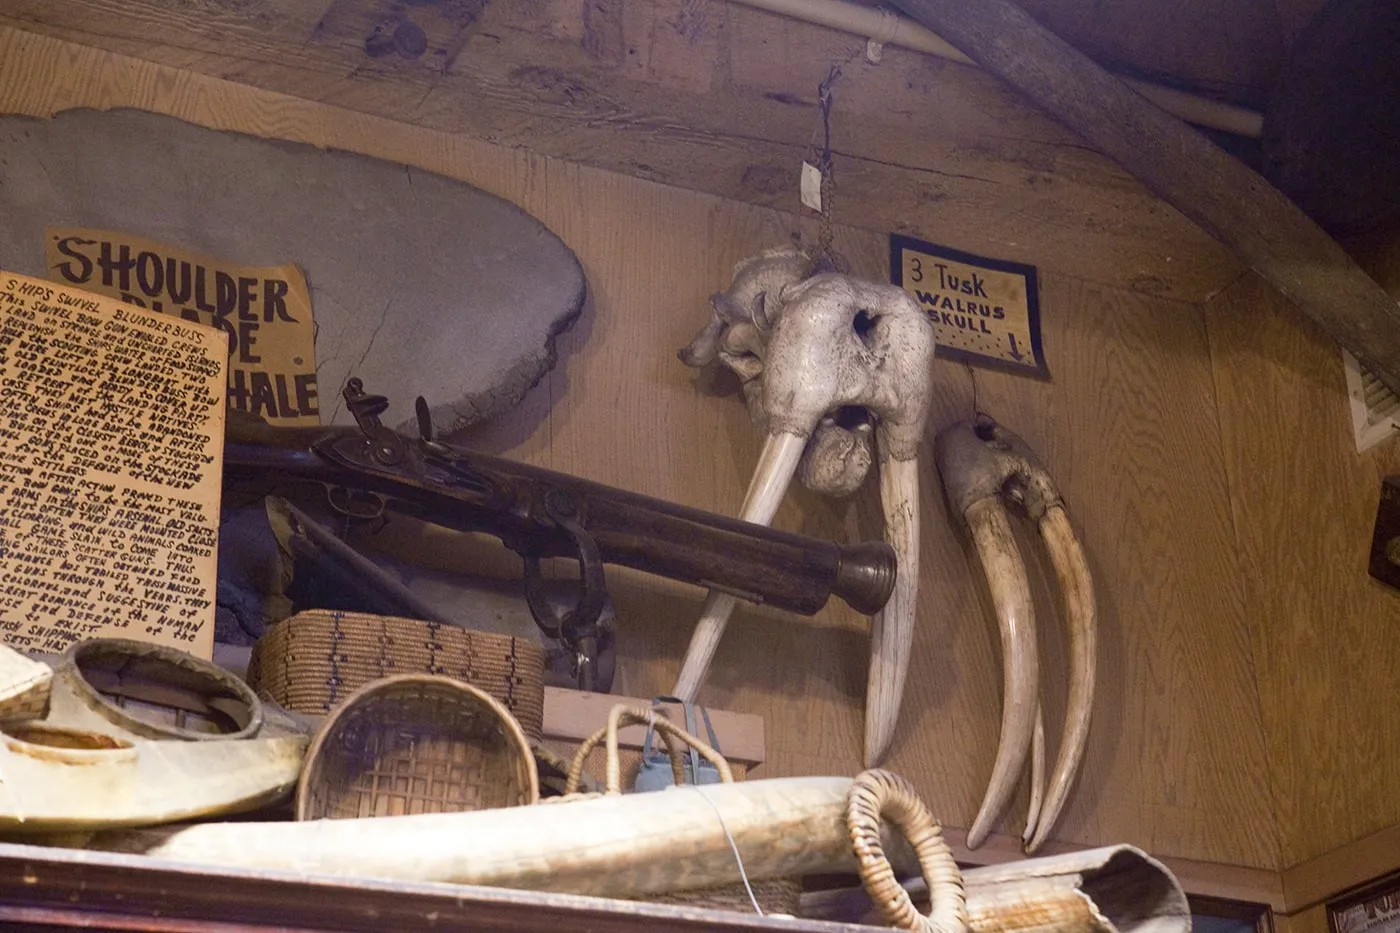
(111, 459)
(984, 311)
(264, 312)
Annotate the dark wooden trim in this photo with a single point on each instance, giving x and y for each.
(108, 891)
(1258, 914)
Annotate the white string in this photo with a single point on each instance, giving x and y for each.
(888, 30)
(743, 875)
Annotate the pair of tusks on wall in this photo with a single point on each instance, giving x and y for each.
(984, 468)
(777, 828)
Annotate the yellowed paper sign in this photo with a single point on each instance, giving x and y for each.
(984, 311)
(111, 461)
(264, 312)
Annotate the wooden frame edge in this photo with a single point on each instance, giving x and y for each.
(1358, 864)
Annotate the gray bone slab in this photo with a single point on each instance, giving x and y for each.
(420, 284)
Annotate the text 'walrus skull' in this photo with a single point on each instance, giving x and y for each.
(825, 360)
(983, 466)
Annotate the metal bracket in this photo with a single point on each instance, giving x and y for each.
(577, 628)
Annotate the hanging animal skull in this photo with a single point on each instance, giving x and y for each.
(839, 456)
(984, 467)
(825, 361)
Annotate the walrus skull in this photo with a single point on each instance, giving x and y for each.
(742, 317)
(983, 466)
(826, 360)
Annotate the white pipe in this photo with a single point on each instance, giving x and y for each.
(887, 28)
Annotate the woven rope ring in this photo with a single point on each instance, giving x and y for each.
(878, 795)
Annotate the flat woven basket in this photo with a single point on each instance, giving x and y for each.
(310, 662)
(416, 743)
(781, 896)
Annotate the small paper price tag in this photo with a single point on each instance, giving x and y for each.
(811, 186)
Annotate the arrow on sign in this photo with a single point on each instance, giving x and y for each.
(1015, 353)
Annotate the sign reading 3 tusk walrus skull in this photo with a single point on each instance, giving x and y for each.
(420, 284)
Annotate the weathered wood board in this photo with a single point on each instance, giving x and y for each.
(420, 284)
(709, 96)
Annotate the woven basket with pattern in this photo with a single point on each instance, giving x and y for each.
(310, 663)
(416, 743)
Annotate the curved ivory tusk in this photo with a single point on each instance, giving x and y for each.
(1037, 777)
(698, 838)
(1077, 587)
(892, 628)
(1011, 597)
(776, 465)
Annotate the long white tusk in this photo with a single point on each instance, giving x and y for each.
(1077, 587)
(776, 465)
(892, 628)
(1037, 776)
(1011, 597)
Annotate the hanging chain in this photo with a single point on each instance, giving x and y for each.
(823, 162)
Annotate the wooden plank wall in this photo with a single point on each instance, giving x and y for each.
(1177, 761)
(1304, 503)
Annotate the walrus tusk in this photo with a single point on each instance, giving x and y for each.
(780, 827)
(1011, 597)
(1077, 588)
(982, 465)
(771, 477)
(892, 628)
(1037, 777)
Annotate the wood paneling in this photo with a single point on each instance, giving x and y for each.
(1176, 761)
(1312, 920)
(1349, 866)
(707, 96)
(1304, 503)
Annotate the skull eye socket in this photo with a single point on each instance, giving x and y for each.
(759, 313)
(864, 325)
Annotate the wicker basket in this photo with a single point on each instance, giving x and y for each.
(311, 662)
(416, 743)
(775, 896)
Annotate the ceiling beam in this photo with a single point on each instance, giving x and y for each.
(718, 98)
(1228, 200)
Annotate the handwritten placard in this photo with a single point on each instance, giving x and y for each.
(263, 311)
(111, 451)
(984, 311)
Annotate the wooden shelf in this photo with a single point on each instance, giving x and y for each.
(61, 888)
